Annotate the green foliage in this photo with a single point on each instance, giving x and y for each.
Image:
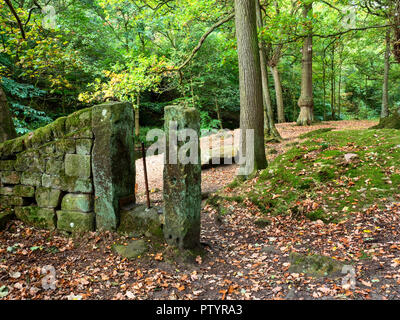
(124, 50)
(25, 118)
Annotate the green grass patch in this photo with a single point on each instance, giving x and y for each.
(313, 179)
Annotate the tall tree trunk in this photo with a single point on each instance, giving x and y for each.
(339, 89)
(7, 129)
(306, 102)
(385, 89)
(218, 113)
(279, 95)
(137, 125)
(250, 83)
(269, 123)
(333, 112)
(324, 84)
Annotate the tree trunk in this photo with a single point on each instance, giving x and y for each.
(7, 129)
(333, 113)
(218, 113)
(339, 89)
(137, 125)
(385, 89)
(324, 85)
(279, 95)
(250, 83)
(306, 102)
(269, 123)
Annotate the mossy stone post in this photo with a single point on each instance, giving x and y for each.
(182, 182)
(113, 161)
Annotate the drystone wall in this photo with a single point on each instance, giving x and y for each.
(73, 173)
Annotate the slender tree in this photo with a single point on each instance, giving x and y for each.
(269, 123)
(306, 102)
(385, 87)
(250, 83)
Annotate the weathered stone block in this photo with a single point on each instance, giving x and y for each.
(48, 198)
(133, 250)
(54, 166)
(77, 202)
(7, 165)
(113, 160)
(182, 182)
(74, 221)
(37, 217)
(31, 161)
(31, 178)
(65, 183)
(140, 220)
(13, 201)
(84, 146)
(50, 181)
(65, 146)
(79, 119)
(77, 165)
(83, 133)
(74, 184)
(6, 191)
(24, 191)
(47, 150)
(10, 177)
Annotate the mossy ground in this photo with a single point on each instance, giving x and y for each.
(313, 179)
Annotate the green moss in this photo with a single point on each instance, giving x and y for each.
(9, 148)
(316, 171)
(390, 122)
(315, 265)
(37, 217)
(24, 191)
(314, 133)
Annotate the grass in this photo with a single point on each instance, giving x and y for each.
(313, 179)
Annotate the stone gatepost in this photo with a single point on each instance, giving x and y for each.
(182, 179)
(113, 161)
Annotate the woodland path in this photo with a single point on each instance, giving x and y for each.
(217, 177)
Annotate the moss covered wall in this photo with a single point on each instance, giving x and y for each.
(47, 177)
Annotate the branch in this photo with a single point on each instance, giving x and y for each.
(202, 39)
(9, 4)
(331, 5)
(350, 30)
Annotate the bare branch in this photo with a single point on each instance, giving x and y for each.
(203, 38)
(21, 28)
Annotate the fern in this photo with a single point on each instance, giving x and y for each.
(25, 118)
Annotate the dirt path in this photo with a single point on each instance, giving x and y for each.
(217, 177)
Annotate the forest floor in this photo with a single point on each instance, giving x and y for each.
(251, 252)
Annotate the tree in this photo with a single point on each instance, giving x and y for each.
(385, 87)
(269, 123)
(250, 83)
(306, 101)
(7, 130)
